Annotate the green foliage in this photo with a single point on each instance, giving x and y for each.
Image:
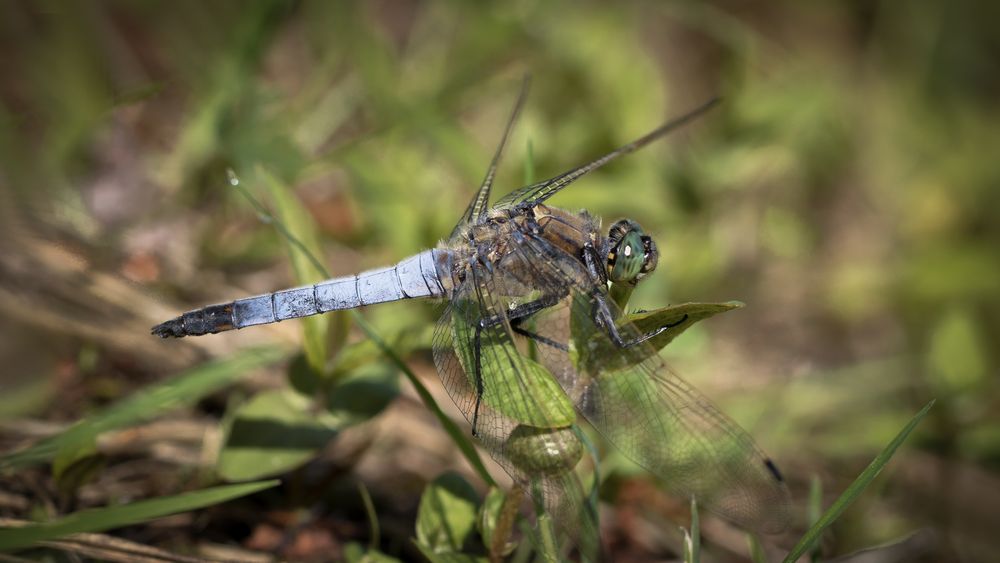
(270, 434)
(362, 395)
(357, 553)
(76, 465)
(678, 318)
(147, 404)
(100, 519)
(446, 519)
(496, 517)
(278, 430)
(449, 556)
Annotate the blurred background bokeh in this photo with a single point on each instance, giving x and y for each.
(847, 190)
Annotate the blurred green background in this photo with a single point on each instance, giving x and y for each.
(847, 190)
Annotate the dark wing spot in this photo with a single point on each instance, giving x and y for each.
(774, 470)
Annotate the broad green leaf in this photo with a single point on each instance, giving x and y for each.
(76, 465)
(183, 390)
(272, 433)
(813, 534)
(449, 556)
(362, 395)
(101, 519)
(647, 321)
(72, 453)
(678, 317)
(303, 377)
(81, 471)
(303, 247)
(356, 553)
(489, 518)
(529, 395)
(446, 519)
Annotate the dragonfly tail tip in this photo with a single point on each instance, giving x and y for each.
(172, 328)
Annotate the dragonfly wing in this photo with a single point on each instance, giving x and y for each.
(480, 202)
(519, 413)
(537, 193)
(650, 413)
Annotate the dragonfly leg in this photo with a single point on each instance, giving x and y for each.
(514, 315)
(523, 311)
(603, 314)
(616, 336)
(477, 352)
(602, 311)
(516, 327)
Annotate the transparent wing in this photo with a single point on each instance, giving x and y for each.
(648, 411)
(480, 202)
(537, 193)
(520, 415)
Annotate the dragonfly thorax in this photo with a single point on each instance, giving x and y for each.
(631, 253)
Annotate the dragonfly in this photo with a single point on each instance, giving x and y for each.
(534, 332)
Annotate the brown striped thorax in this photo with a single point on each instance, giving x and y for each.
(629, 253)
(498, 235)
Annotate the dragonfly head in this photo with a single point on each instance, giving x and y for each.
(631, 253)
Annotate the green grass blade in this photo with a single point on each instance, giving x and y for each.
(756, 551)
(373, 526)
(692, 539)
(857, 487)
(101, 519)
(547, 545)
(185, 389)
(303, 248)
(814, 511)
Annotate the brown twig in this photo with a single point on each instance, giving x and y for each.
(505, 522)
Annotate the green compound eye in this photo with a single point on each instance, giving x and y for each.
(628, 258)
(631, 254)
